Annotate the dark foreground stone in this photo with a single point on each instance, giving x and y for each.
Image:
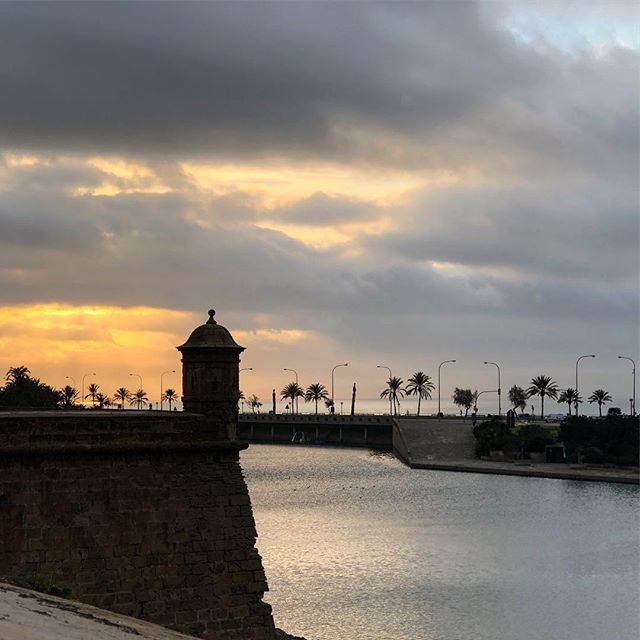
(281, 635)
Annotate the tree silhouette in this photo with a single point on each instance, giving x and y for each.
(569, 396)
(93, 389)
(463, 398)
(170, 395)
(123, 395)
(518, 398)
(102, 400)
(394, 391)
(254, 403)
(68, 396)
(600, 396)
(139, 398)
(291, 391)
(419, 384)
(22, 391)
(316, 392)
(17, 374)
(542, 386)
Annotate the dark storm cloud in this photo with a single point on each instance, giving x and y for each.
(419, 84)
(133, 249)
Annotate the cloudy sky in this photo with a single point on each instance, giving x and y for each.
(378, 183)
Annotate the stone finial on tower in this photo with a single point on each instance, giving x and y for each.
(210, 359)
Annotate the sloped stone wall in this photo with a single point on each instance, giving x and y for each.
(145, 514)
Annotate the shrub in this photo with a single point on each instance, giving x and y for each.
(492, 435)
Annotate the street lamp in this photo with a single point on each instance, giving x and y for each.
(633, 399)
(162, 386)
(440, 365)
(294, 371)
(499, 387)
(346, 364)
(83, 377)
(490, 391)
(591, 355)
(382, 366)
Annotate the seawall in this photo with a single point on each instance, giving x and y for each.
(143, 513)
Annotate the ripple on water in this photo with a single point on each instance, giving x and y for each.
(359, 547)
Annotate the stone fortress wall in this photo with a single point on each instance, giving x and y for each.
(144, 513)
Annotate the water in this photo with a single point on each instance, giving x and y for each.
(358, 547)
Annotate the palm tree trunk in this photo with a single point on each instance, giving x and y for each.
(569, 409)
(419, 398)
(542, 406)
(600, 408)
(316, 406)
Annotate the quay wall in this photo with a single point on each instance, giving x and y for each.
(143, 513)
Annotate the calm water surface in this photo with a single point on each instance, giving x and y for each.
(358, 547)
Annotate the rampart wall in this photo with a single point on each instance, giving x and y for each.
(142, 513)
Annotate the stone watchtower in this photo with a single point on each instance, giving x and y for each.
(210, 359)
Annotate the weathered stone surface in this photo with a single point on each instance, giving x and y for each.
(28, 615)
(146, 514)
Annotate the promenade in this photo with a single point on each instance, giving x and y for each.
(448, 445)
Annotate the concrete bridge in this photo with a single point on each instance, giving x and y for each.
(374, 432)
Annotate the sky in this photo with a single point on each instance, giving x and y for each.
(375, 183)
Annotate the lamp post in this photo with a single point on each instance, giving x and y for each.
(162, 386)
(591, 355)
(83, 377)
(333, 406)
(296, 373)
(490, 391)
(240, 371)
(439, 366)
(499, 387)
(382, 366)
(633, 371)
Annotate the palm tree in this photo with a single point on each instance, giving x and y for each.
(93, 392)
(16, 374)
(171, 395)
(68, 396)
(102, 400)
(419, 384)
(569, 396)
(542, 386)
(328, 403)
(254, 403)
(600, 396)
(292, 391)
(316, 392)
(518, 398)
(122, 394)
(139, 398)
(394, 390)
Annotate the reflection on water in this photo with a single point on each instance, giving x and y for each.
(359, 547)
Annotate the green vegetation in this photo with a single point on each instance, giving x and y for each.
(292, 391)
(394, 391)
(612, 440)
(419, 384)
(171, 395)
(542, 386)
(518, 398)
(316, 392)
(601, 397)
(570, 397)
(22, 391)
(463, 398)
